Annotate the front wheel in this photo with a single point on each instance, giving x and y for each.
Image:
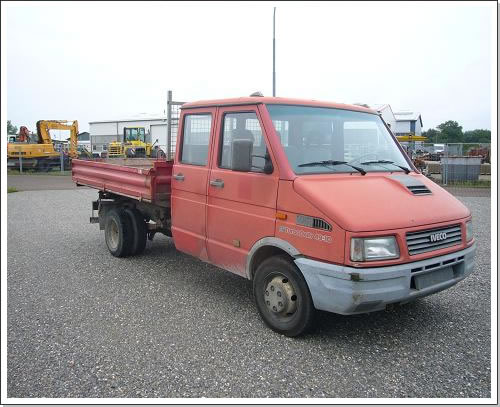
(282, 296)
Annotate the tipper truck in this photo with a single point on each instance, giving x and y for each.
(316, 203)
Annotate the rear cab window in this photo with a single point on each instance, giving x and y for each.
(196, 139)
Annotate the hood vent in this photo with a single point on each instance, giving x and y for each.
(419, 189)
(315, 223)
(415, 186)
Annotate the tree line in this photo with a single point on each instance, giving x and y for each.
(11, 129)
(451, 132)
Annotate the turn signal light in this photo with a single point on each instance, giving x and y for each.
(281, 215)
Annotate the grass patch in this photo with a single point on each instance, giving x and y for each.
(482, 183)
(54, 172)
(464, 184)
(11, 190)
(470, 184)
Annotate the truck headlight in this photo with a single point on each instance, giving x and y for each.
(468, 231)
(374, 248)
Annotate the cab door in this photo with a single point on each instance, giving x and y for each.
(189, 182)
(241, 205)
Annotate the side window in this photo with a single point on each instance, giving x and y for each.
(196, 139)
(243, 126)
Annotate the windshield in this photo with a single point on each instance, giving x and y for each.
(135, 134)
(314, 137)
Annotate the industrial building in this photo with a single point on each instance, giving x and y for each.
(387, 114)
(104, 132)
(402, 123)
(408, 122)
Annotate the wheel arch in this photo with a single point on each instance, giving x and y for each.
(265, 248)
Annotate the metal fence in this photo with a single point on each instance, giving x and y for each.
(466, 165)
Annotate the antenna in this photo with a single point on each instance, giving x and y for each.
(274, 52)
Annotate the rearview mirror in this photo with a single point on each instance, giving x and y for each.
(241, 155)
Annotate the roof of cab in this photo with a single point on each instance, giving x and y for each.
(253, 100)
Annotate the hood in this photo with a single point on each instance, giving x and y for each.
(379, 201)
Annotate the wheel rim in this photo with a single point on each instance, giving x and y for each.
(113, 235)
(280, 296)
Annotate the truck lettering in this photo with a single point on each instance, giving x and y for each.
(305, 234)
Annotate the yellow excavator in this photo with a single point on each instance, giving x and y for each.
(41, 155)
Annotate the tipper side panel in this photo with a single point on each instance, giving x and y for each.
(149, 184)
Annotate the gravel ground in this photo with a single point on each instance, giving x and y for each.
(84, 324)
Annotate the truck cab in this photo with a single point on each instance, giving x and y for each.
(317, 203)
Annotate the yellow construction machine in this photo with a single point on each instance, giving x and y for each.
(133, 145)
(42, 155)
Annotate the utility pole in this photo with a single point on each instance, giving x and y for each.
(274, 52)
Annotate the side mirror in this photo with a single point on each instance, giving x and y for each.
(268, 166)
(241, 155)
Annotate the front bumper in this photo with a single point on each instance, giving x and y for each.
(349, 290)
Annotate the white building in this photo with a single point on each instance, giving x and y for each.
(408, 122)
(104, 132)
(387, 114)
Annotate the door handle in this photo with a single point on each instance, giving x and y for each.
(179, 177)
(218, 183)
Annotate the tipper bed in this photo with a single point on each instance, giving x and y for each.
(144, 179)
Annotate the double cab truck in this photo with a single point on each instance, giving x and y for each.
(316, 203)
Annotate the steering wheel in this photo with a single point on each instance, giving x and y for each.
(362, 156)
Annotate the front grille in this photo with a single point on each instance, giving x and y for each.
(433, 239)
(115, 150)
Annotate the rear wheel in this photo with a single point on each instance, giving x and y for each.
(118, 233)
(139, 231)
(282, 296)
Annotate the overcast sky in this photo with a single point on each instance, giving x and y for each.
(92, 61)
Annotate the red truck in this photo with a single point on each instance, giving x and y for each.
(317, 203)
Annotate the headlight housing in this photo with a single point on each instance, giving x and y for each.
(468, 231)
(374, 248)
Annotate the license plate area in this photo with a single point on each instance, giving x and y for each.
(432, 278)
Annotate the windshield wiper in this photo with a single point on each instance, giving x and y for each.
(406, 170)
(332, 162)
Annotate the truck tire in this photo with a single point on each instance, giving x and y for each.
(282, 296)
(139, 231)
(118, 233)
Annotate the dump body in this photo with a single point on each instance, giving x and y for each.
(143, 179)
